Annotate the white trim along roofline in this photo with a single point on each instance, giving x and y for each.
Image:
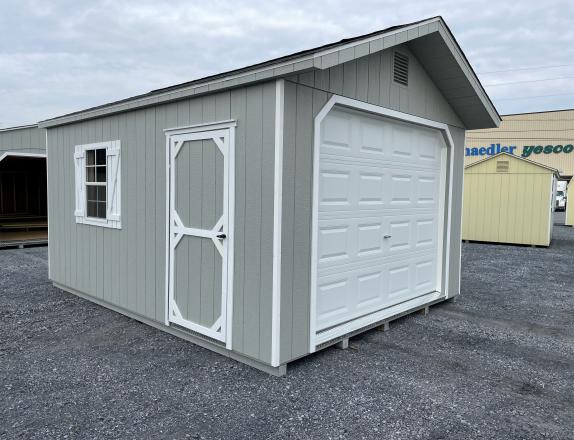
(19, 127)
(351, 326)
(504, 153)
(15, 154)
(319, 59)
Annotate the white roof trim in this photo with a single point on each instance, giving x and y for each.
(17, 154)
(305, 62)
(375, 37)
(514, 156)
(20, 127)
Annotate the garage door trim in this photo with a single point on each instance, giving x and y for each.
(314, 339)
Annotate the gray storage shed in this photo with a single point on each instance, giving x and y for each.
(271, 211)
(23, 188)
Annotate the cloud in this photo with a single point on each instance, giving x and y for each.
(64, 55)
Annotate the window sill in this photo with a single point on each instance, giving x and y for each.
(104, 223)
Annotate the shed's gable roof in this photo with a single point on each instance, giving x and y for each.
(513, 157)
(430, 40)
(19, 127)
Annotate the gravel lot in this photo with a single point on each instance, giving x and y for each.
(497, 364)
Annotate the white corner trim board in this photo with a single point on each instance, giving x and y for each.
(277, 220)
(444, 242)
(48, 202)
(15, 154)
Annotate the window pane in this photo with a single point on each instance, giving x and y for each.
(101, 174)
(90, 157)
(92, 192)
(90, 174)
(101, 156)
(102, 209)
(92, 209)
(101, 193)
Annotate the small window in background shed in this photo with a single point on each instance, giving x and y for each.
(401, 69)
(502, 166)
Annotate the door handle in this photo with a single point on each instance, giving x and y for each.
(221, 236)
(387, 236)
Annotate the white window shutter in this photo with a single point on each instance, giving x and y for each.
(79, 161)
(114, 192)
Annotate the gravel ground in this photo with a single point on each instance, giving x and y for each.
(497, 364)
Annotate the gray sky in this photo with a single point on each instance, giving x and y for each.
(59, 56)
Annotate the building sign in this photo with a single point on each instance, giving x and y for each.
(526, 151)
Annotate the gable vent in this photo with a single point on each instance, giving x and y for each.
(502, 166)
(401, 69)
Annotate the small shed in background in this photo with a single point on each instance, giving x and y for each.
(508, 199)
(23, 186)
(570, 205)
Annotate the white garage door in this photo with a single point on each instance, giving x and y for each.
(378, 215)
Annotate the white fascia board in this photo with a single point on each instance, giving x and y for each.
(281, 68)
(374, 38)
(16, 154)
(292, 66)
(20, 127)
(473, 79)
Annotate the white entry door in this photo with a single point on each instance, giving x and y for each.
(379, 215)
(200, 246)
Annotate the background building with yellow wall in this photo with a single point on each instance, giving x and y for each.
(545, 137)
(508, 199)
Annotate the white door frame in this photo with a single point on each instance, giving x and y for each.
(443, 242)
(223, 135)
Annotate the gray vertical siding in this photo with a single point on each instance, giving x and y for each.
(126, 267)
(23, 140)
(302, 103)
(199, 203)
(366, 79)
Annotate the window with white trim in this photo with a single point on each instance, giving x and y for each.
(98, 184)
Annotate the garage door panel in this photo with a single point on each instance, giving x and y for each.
(401, 236)
(371, 186)
(425, 233)
(429, 143)
(399, 277)
(346, 242)
(337, 133)
(337, 183)
(401, 189)
(333, 297)
(425, 273)
(427, 186)
(353, 186)
(370, 238)
(350, 295)
(403, 145)
(343, 240)
(379, 183)
(374, 137)
(369, 288)
(335, 243)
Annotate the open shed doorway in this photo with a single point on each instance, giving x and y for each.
(23, 201)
